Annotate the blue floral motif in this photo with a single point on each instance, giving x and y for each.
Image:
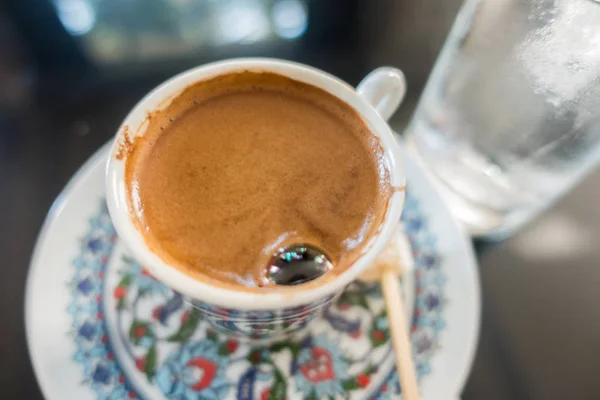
(101, 222)
(429, 304)
(87, 330)
(95, 245)
(321, 368)
(341, 323)
(429, 260)
(432, 301)
(382, 323)
(94, 352)
(101, 374)
(143, 280)
(85, 286)
(190, 361)
(196, 372)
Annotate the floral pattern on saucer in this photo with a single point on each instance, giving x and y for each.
(135, 338)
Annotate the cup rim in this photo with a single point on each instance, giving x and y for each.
(204, 291)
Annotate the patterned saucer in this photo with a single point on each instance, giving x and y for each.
(99, 326)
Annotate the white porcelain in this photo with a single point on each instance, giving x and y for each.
(85, 364)
(385, 87)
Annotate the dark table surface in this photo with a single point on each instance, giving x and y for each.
(58, 104)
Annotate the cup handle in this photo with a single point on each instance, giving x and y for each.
(384, 88)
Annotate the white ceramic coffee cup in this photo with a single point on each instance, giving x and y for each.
(375, 99)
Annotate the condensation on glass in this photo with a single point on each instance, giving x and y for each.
(510, 118)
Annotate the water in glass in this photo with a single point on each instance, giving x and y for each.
(510, 117)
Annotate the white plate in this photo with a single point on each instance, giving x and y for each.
(98, 326)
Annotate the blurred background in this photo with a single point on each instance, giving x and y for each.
(70, 70)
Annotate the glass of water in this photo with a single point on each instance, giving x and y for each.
(510, 117)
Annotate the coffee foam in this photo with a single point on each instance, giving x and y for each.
(240, 165)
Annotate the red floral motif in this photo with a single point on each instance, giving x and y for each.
(221, 312)
(140, 364)
(363, 380)
(355, 334)
(232, 345)
(255, 356)
(145, 272)
(208, 367)
(319, 367)
(120, 292)
(321, 362)
(184, 317)
(139, 332)
(264, 395)
(378, 335)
